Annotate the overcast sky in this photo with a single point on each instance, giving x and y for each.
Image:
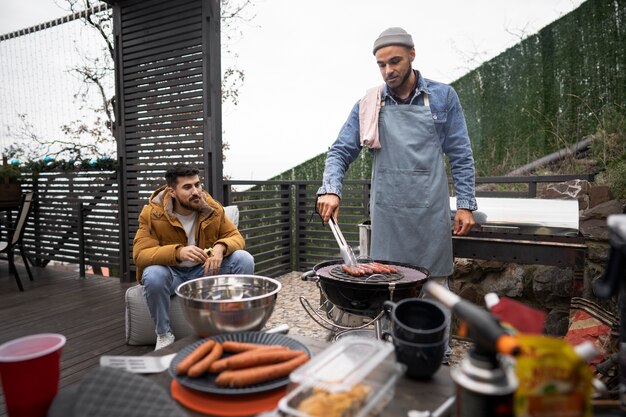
(307, 62)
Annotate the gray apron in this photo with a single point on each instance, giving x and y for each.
(410, 206)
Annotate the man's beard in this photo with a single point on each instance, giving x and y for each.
(190, 206)
(407, 75)
(404, 79)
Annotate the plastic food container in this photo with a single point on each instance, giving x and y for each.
(354, 377)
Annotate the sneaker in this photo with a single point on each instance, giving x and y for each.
(164, 340)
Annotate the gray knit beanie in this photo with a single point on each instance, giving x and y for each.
(393, 36)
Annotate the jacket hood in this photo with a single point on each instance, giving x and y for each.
(161, 198)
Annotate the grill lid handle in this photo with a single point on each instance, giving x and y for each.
(309, 276)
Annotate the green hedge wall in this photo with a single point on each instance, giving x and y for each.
(549, 90)
(540, 95)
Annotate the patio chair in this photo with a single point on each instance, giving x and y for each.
(15, 237)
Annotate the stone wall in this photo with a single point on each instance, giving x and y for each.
(546, 287)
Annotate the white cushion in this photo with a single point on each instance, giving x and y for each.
(232, 212)
(140, 329)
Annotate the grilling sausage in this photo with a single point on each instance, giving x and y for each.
(360, 271)
(367, 270)
(377, 268)
(354, 271)
(258, 374)
(384, 269)
(387, 268)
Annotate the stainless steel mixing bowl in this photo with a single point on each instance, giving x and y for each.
(228, 303)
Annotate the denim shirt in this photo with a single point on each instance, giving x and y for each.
(450, 127)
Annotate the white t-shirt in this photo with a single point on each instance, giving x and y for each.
(189, 224)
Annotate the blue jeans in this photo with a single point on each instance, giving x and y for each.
(160, 283)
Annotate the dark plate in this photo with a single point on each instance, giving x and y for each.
(206, 383)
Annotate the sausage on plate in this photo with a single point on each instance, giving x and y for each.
(204, 364)
(223, 364)
(264, 357)
(258, 374)
(195, 356)
(237, 347)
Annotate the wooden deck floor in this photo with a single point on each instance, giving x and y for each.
(88, 312)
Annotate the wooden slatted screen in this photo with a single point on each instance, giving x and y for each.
(168, 100)
(57, 228)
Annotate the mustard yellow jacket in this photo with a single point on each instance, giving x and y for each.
(161, 236)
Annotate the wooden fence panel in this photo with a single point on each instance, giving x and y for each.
(316, 242)
(265, 222)
(53, 231)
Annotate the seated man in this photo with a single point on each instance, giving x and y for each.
(183, 234)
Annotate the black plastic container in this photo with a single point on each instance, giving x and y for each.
(422, 360)
(416, 320)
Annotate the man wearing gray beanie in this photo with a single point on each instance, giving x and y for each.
(407, 124)
(393, 36)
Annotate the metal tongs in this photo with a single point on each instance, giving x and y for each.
(346, 251)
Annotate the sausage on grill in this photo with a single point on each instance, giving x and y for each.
(354, 271)
(367, 270)
(386, 268)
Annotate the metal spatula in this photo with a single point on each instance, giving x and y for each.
(346, 251)
(156, 364)
(138, 364)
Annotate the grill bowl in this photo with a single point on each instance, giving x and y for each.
(228, 303)
(366, 297)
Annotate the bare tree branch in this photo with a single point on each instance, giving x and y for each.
(84, 139)
(471, 57)
(519, 34)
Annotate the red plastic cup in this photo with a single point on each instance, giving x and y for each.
(30, 370)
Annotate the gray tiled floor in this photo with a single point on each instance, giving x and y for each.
(290, 311)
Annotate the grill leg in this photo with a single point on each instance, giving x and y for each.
(379, 329)
(333, 333)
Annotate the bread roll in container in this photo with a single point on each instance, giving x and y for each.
(354, 377)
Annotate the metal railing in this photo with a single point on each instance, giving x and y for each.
(310, 241)
(76, 218)
(280, 225)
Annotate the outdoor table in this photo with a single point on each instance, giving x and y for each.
(409, 394)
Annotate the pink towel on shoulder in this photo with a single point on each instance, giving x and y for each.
(369, 108)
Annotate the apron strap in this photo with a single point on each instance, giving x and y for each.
(426, 102)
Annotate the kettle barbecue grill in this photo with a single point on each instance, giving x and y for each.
(361, 296)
